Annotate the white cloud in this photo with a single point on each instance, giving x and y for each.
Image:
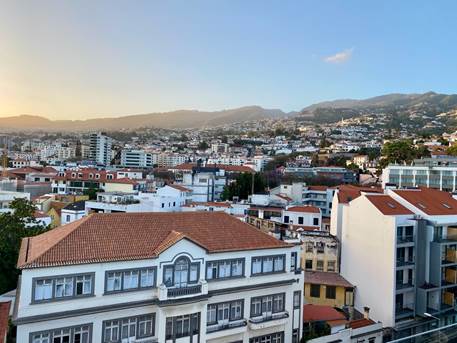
(340, 57)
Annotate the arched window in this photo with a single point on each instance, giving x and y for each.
(181, 273)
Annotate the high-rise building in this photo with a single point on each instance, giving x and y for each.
(100, 148)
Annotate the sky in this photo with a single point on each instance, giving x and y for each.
(83, 59)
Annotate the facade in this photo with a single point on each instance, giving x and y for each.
(206, 183)
(73, 212)
(136, 159)
(320, 251)
(158, 277)
(329, 289)
(100, 148)
(306, 216)
(439, 173)
(166, 199)
(403, 263)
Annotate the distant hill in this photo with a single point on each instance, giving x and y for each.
(431, 103)
(171, 120)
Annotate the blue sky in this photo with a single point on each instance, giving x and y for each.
(84, 58)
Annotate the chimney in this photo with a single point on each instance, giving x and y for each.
(366, 312)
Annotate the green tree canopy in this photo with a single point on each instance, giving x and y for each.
(402, 151)
(242, 186)
(14, 226)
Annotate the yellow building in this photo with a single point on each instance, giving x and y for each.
(319, 251)
(329, 289)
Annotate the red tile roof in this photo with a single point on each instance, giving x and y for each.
(318, 188)
(387, 205)
(430, 201)
(326, 278)
(304, 209)
(347, 193)
(360, 323)
(317, 313)
(226, 167)
(133, 236)
(4, 316)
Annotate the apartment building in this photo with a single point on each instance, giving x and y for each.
(399, 250)
(136, 158)
(158, 277)
(100, 148)
(328, 289)
(77, 181)
(439, 173)
(170, 198)
(206, 183)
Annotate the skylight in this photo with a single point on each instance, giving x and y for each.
(421, 205)
(390, 205)
(446, 205)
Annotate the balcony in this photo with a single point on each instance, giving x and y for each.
(402, 262)
(404, 311)
(405, 239)
(171, 293)
(226, 326)
(401, 286)
(268, 320)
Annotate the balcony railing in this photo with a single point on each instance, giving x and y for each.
(404, 310)
(268, 317)
(183, 291)
(404, 262)
(405, 239)
(399, 285)
(226, 326)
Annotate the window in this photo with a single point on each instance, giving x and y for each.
(295, 336)
(315, 221)
(331, 266)
(297, 299)
(293, 261)
(61, 287)
(300, 220)
(224, 312)
(277, 337)
(182, 326)
(315, 291)
(131, 279)
(262, 306)
(267, 264)
(372, 340)
(68, 218)
(320, 265)
(128, 329)
(320, 247)
(309, 264)
(286, 219)
(181, 273)
(309, 247)
(330, 292)
(76, 334)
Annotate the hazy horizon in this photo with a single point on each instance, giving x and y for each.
(86, 59)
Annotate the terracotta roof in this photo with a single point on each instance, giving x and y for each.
(211, 203)
(430, 201)
(285, 197)
(4, 316)
(360, 323)
(326, 278)
(40, 214)
(226, 167)
(387, 205)
(347, 193)
(304, 209)
(318, 313)
(133, 236)
(179, 188)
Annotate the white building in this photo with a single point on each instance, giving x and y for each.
(136, 158)
(100, 148)
(158, 277)
(306, 216)
(399, 250)
(206, 183)
(73, 212)
(170, 198)
(7, 197)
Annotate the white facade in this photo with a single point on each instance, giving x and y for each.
(136, 158)
(7, 197)
(100, 148)
(68, 216)
(205, 185)
(233, 305)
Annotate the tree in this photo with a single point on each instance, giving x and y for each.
(203, 145)
(91, 192)
(242, 186)
(14, 227)
(452, 150)
(402, 151)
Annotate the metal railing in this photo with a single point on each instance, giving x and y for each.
(225, 326)
(405, 239)
(183, 291)
(268, 317)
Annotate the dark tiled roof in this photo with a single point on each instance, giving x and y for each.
(133, 236)
(76, 206)
(326, 278)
